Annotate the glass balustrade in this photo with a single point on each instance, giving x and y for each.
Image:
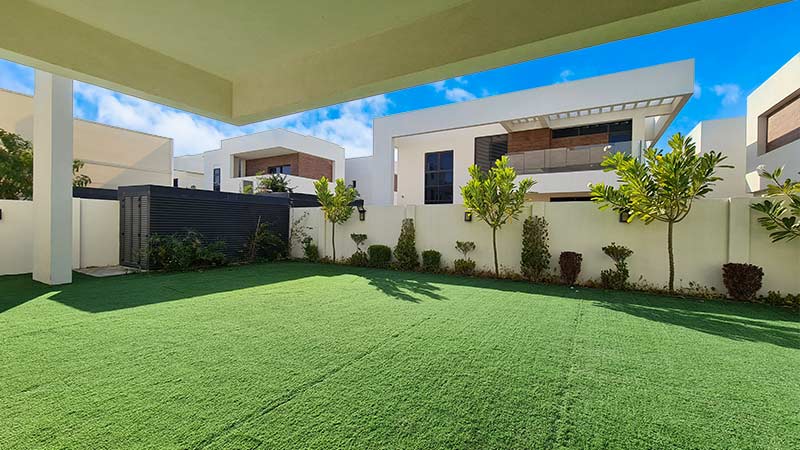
(565, 159)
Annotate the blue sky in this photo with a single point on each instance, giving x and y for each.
(733, 55)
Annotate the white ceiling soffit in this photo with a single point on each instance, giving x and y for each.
(247, 60)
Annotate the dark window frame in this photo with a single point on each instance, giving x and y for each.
(437, 166)
(284, 169)
(217, 179)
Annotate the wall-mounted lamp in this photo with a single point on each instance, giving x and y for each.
(624, 216)
(467, 216)
(362, 213)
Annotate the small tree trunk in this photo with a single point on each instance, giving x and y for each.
(494, 247)
(671, 259)
(333, 240)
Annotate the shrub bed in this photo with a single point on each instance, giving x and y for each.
(379, 255)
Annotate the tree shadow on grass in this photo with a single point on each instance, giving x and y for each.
(402, 287)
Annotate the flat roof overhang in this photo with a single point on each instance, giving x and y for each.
(249, 60)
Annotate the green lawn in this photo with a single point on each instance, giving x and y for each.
(298, 355)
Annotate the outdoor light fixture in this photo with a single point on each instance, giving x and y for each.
(362, 213)
(624, 216)
(467, 216)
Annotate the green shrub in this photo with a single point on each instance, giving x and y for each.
(616, 278)
(310, 250)
(379, 255)
(431, 260)
(359, 259)
(184, 251)
(775, 298)
(535, 248)
(405, 252)
(266, 245)
(465, 247)
(570, 264)
(743, 281)
(464, 266)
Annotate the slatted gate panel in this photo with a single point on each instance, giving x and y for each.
(147, 211)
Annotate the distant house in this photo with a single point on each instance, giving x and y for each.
(557, 135)
(113, 156)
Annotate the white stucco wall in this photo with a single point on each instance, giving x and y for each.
(95, 234)
(782, 84)
(726, 136)
(113, 156)
(717, 231)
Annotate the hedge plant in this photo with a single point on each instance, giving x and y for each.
(379, 255)
(743, 281)
(570, 264)
(405, 253)
(535, 248)
(464, 266)
(431, 260)
(616, 278)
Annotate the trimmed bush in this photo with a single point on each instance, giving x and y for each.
(405, 252)
(535, 248)
(743, 281)
(464, 266)
(431, 260)
(570, 264)
(379, 255)
(310, 250)
(359, 259)
(616, 278)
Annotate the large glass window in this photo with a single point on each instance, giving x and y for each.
(217, 179)
(439, 177)
(285, 169)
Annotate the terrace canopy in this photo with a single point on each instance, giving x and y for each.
(246, 60)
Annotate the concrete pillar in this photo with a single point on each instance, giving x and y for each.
(52, 179)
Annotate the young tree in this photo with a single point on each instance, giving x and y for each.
(495, 198)
(336, 205)
(782, 216)
(16, 168)
(661, 188)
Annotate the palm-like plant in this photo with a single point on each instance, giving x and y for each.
(780, 216)
(336, 205)
(495, 198)
(660, 188)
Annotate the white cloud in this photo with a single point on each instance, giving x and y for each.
(565, 75)
(458, 95)
(348, 124)
(730, 93)
(697, 91)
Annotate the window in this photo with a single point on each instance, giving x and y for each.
(174, 182)
(783, 124)
(617, 131)
(285, 169)
(439, 177)
(216, 179)
(489, 149)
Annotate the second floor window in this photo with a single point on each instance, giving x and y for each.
(217, 179)
(439, 177)
(285, 169)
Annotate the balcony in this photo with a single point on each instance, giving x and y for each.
(565, 159)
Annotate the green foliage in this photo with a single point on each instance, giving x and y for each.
(743, 281)
(275, 182)
(616, 278)
(431, 260)
(405, 252)
(782, 215)
(267, 245)
(16, 168)
(662, 187)
(775, 298)
(298, 232)
(379, 255)
(184, 251)
(336, 205)
(570, 264)
(464, 266)
(495, 198)
(310, 250)
(465, 247)
(359, 258)
(535, 248)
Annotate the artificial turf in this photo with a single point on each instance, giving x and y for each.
(320, 356)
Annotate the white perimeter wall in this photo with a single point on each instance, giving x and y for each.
(95, 234)
(717, 231)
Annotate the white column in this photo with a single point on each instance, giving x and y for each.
(52, 179)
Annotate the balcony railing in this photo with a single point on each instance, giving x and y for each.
(565, 159)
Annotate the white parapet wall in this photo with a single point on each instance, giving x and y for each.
(95, 234)
(716, 232)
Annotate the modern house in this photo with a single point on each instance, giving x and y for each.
(188, 172)
(773, 125)
(726, 136)
(558, 135)
(302, 159)
(112, 156)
